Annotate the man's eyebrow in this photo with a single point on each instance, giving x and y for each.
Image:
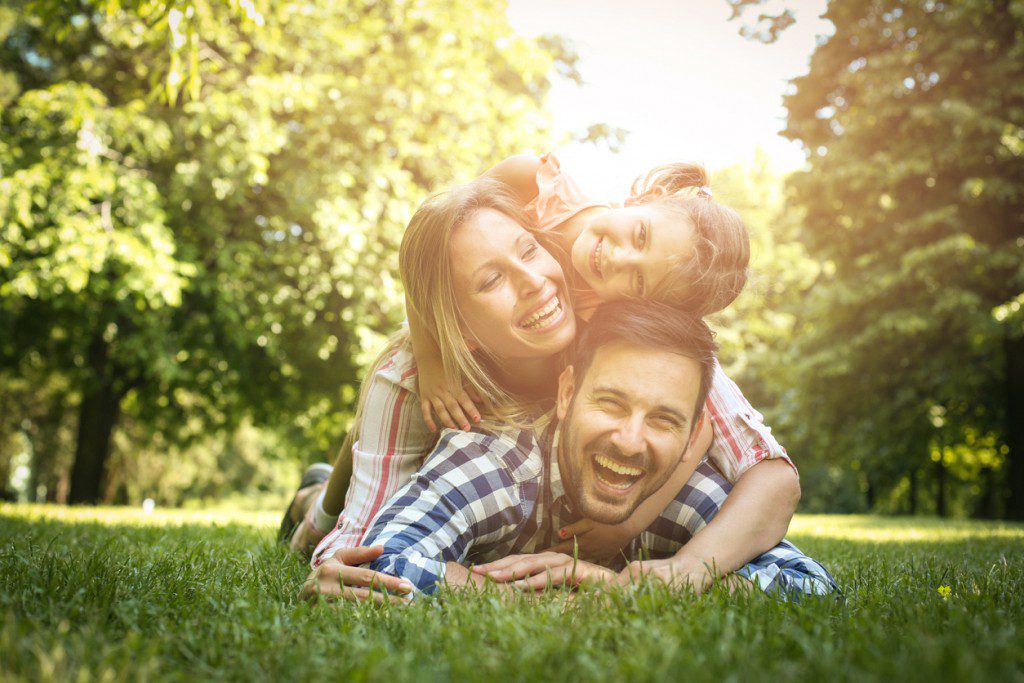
(618, 393)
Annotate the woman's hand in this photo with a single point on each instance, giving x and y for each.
(454, 408)
(338, 577)
(545, 570)
(593, 541)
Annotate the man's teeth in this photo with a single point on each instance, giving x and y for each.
(618, 468)
(541, 317)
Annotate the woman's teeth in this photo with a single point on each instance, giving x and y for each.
(544, 316)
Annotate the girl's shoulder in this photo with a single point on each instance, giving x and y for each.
(558, 198)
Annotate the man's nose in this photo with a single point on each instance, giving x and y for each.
(628, 437)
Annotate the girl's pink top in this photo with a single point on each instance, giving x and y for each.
(558, 199)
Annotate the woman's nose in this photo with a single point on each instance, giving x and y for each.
(528, 281)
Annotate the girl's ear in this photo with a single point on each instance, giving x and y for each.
(566, 389)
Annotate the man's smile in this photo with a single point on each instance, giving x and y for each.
(615, 475)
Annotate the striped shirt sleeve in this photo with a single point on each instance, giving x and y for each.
(393, 438)
(742, 439)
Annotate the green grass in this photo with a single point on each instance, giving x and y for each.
(114, 594)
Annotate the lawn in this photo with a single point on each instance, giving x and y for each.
(121, 595)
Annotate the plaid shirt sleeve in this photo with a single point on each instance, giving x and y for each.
(783, 571)
(742, 439)
(464, 495)
(393, 438)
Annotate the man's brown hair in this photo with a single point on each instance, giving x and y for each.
(649, 324)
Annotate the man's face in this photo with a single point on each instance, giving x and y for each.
(625, 427)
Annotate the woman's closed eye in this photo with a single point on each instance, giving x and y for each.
(489, 282)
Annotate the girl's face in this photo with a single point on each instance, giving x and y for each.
(510, 291)
(627, 252)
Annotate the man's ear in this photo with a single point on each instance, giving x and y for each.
(693, 443)
(566, 389)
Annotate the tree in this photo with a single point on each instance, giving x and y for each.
(913, 341)
(200, 202)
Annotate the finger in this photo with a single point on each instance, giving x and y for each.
(329, 592)
(528, 566)
(428, 416)
(468, 407)
(554, 577)
(503, 563)
(576, 528)
(442, 414)
(455, 410)
(358, 555)
(359, 577)
(566, 547)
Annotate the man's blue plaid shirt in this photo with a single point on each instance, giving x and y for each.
(483, 495)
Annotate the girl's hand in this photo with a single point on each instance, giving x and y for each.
(454, 408)
(592, 541)
(338, 578)
(545, 570)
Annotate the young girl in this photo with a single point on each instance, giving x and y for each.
(671, 242)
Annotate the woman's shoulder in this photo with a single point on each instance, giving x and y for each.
(397, 366)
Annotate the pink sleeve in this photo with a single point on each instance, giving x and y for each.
(558, 198)
(742, 439)
(392, 442)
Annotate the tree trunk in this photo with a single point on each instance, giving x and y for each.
(1014, 349)
(913, 491)
(940, 488)
(97, 417)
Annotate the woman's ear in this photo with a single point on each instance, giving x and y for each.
(566, 389)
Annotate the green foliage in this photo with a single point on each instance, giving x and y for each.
(177, 595)
(200, 202)
(913, 202)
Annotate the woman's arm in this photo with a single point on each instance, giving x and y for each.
(392, 442)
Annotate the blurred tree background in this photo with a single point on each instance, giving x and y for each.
(200, 206)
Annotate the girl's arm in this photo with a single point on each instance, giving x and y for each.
(519, 172)
(452, 404)
(753, 519)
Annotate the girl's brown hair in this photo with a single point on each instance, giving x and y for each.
(716, 273)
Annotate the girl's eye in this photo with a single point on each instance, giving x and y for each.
(530, 252)
(641, 237)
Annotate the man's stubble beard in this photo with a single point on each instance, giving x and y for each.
(572, 465)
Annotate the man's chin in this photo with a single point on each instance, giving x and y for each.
(607, 512)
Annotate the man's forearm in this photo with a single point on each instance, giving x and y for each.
(753, 519)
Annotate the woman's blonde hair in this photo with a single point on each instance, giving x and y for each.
(425, 263)
(716, 273)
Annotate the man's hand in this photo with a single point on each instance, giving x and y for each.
(339, 577)
(594, 541)
(545, 570)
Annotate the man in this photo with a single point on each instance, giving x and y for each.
(626, 412)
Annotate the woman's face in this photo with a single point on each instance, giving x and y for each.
(510, 291)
